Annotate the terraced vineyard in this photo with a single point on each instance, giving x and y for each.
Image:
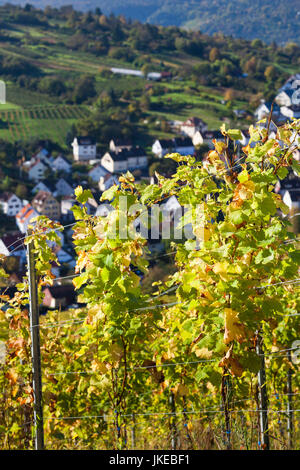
(45, 122)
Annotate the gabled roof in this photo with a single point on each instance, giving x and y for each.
(166, 143)
(41, 197)
(194, 122)
(60, 292)
(13, 240)
(37, 162)
(121, 142)
(5, 197)
(183, 142)
(61, 157)
(49, 184)
(85, 140)
(289, 92)
(26, 212)
(124, 154)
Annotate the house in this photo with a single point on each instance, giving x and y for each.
(66, 205)
(123, 160)
(44, 185)
(115, 145)
(36, 169)
(291, 197)
(192, 125)
(155, 76)
(184, 146)
(13, 245)
(264, 110)
(25, 216)
(285, 97)
(291, 83)
(61, 164)
(240, 113)
(63, 188)
(42, 155)
(10, 204)
(103, 210)
(45, 204)
(292, 112)
(163, 146)
(96, 172)
(197, 139)
(84, 149)
(105, 182)
(59, 296)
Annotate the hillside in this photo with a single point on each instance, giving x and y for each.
(57, 68)
(268, 20)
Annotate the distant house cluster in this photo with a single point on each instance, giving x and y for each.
(286, 103)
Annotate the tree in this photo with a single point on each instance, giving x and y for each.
(214, 54)
(271, 73)
(21, 191)
(84, 89)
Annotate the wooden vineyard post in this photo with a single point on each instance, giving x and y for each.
(262, 398)
(225, 402)
(173, 422)
(35, 349)
(290, 426)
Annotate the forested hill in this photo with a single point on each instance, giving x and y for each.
(269, 20)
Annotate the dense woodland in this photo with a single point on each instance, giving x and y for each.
(268, 20)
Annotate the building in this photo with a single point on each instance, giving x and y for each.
(123, 160)
(291, 83)
(25, 216)
(63, 188)
(105, 182)
(59, 296)
(10, 204)
(103, 210)
(44, 185)
(163, 146)
(84, 149)
(45, 204)
(292, 112)
(96, 172)
(115, 145)
(192, 125)
(285, 97)
(13, 245)
(264, 110)
(61, 164)
(36, 170)
(184, 146)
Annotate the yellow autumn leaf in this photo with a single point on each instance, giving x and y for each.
(233, 328)
(181, 390)
(98, 366)
(116, 352)
(203, 353)
(221, 268)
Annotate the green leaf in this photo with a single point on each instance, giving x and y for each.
(243, 176)
(282, 172)
(236, 217)
(235, 134)
(105, 273)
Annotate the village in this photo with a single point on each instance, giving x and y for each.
(53, 184)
